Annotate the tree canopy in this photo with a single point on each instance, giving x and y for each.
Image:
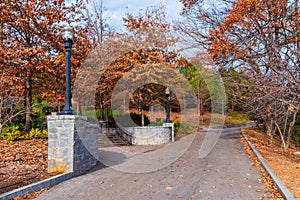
(259, 38)
(31, 40)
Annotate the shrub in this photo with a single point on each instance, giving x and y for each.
(92, 113)
(38, 124)
(112, 113)
(20, 125)
(11, 133)
(37, 133)
(183, 127)
(39, 109)
(155, 124)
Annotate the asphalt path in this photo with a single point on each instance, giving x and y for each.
(225, 173)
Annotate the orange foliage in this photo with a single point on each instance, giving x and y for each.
(31, 37)
(248, 18)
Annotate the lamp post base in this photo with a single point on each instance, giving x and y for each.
(172, 131)
(67, 111)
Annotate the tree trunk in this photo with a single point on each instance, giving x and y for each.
(281, 136)
(200, 103)
(201, 109)
(223, 107)
(105, 118)
(270, 130)
(143, 120)
(28, 97)
(290, 130)
(1, 128)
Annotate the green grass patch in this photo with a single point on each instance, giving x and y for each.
(236, 118)
(155, 124)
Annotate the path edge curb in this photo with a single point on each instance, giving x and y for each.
(35, 187)
(284, 191)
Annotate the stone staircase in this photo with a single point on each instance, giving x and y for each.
(109, 137)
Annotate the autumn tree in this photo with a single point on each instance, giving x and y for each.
(149, 29)
(147, 39)
(199, 16)
(31, 37)
(129, 61)
(260, 38)
(145, 45)
(11, 100)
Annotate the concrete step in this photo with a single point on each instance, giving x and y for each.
(108, 137)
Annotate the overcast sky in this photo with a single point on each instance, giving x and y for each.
(116, 9)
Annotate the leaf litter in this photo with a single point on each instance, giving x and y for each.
(22, 163)
(285, 164)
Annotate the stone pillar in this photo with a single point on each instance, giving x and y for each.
(172, 127)
(72, 144)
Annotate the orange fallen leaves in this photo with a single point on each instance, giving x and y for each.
(284, 164)
(22, 163)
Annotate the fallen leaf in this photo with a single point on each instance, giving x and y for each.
(169, 188)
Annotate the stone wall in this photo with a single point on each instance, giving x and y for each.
(72, 144)
(148, 135)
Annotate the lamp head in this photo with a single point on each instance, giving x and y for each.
(68, 32)
(167, 90)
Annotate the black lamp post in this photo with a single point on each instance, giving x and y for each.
(168, 105)
(68, 36)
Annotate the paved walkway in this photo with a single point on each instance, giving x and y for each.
(158, 173)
